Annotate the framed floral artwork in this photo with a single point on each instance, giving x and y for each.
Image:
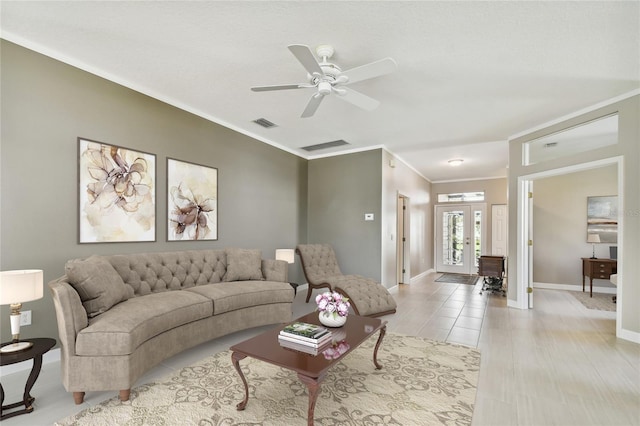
(116, 193)
(192, 201)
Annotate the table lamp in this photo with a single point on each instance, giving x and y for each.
(17, 287)
(593, 239)
(288, 255)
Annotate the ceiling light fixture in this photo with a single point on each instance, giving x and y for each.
(456, 162)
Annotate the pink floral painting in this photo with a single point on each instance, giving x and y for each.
(192, 201)
(116, 193)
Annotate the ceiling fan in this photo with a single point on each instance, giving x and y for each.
(328, 78)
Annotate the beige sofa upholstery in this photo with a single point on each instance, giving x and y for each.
(119, 316)
(320, 266)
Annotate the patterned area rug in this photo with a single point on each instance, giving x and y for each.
(599, 301)
(421, 382)
(457, 279)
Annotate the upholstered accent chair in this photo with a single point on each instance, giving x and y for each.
(320, 267)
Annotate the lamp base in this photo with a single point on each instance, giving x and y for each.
(16, 347)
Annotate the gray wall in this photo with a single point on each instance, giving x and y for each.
(46, 105)
(560, 224)
(341, 190)
(628, 147)
(402, 180)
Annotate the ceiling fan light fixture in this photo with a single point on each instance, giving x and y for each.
(324, 88)
(326, 77)
(456, 162)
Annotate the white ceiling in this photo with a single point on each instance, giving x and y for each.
(470, 74)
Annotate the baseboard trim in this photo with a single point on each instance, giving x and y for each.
(51, 356)
(629, 335)
(422, 275)
(572, 287)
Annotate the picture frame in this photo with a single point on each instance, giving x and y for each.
(602, 219)
(192, 201)
(116, 193)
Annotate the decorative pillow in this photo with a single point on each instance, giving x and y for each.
(97, 283)
(243, 265)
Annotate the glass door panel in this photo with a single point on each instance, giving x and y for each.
(453, 236)
(459, 238)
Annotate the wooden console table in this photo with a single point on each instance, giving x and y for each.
(597, 268)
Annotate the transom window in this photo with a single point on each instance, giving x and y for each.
(461, 197)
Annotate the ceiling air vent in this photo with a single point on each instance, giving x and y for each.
(264, 123)
(325, 145)
(550, 144)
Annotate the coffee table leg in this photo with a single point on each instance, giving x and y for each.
(383, 330)
(236, 357)
(314, 390)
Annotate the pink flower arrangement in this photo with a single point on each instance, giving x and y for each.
(336, 350)
(333, 302)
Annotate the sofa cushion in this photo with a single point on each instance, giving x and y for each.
(123, 328)
(243, 294)
(243, 265)
(148, 273)
(97, 283)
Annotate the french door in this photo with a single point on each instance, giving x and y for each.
(459, 237)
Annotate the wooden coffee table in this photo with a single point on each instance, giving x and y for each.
(311, 369)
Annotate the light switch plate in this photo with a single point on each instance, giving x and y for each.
(25, 318)
(368, 216)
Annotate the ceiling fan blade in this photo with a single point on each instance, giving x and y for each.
(372, 70)
(306, 58)
(358, 99)
(312, 106)
(280, 87)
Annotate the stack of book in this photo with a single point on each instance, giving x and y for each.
(304, 337)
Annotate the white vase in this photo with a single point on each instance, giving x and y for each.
(329, 320)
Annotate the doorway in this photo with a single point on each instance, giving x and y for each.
(459, 237)
(402, 261)
(526, 242)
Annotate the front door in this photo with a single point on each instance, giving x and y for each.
(459, 241)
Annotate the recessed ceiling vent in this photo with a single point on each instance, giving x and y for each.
(265, 123)
(550, 144)
(325, 145)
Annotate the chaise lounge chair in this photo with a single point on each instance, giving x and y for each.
(320, 267)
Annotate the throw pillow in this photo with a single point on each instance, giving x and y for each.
(243, 265)
(97, 283)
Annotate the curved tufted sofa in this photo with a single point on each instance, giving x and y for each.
(119, 316)
(320, 267)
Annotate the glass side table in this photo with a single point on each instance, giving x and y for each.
(35, 352)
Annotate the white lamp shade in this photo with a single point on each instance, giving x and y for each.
(20, 286)
(593, 238)
(287, 255)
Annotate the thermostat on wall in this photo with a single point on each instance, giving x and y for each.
(368, 216)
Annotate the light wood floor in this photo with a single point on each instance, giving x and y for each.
(558, 364)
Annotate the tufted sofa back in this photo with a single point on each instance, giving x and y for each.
(318, 262)
(155, 272)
